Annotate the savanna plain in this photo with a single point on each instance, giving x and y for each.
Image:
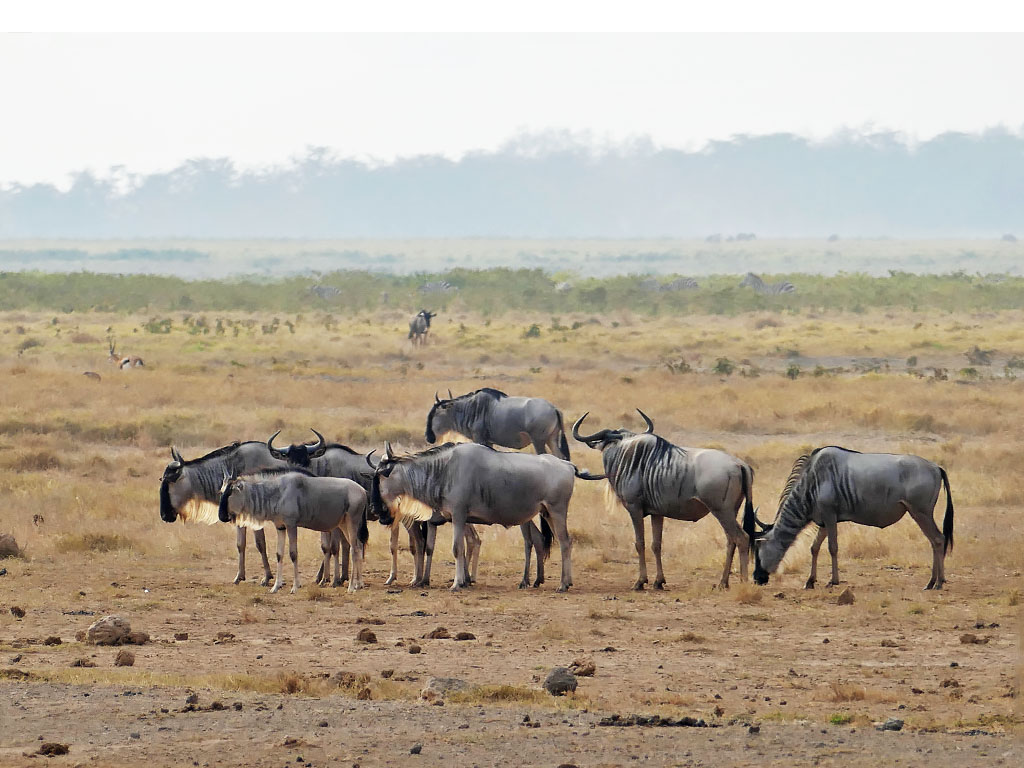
(779, 675)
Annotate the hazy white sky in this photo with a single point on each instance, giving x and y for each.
(150, 101)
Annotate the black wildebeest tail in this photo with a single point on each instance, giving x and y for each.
(749, 515)
(947, 522)
(563, 444)
(547, 535)
(364, 531)
(583, 474)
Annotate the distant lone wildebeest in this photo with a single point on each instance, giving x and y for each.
(122, 362)
(834, 485)
(767, 289)
(468, 483)
(650, 476)
(190, 490)
(419, 327)
(293, 499)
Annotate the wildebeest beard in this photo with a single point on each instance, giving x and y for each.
(425, 481)
(167, 512)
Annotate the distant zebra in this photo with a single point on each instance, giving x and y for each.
(325, 292)
(765, 289)
(438, 286)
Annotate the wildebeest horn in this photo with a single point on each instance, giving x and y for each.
(270, 443)
(387, 450)
(319, 446)
(370, 463)
(176, 456)
(450, 395)
(576, 430)
(436, 398)
(650, 424)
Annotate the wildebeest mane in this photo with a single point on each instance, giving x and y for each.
(645, 456)
(221, 451)
(341, 447)
(270, 473)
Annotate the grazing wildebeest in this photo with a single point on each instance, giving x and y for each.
(650, 476)
(490, 417)
(469, 483)
(834, 485)
(419, 327)
(293, 499)
(191, 490)
(124, 363)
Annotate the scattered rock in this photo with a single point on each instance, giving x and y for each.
(52, 640)
(441, 633)
(365, 694)
(413, 648)
(109, 630)
(439, 687)
(51, 748)
(465, 636)
(416, 749)
(845, 597)
(8, 546)
(3, 571)
(80, 635)
(892, 724)
(583, 667)
(181, 636)
(137, 638)
(369, 620)
(366, 636)
(890, 644)
(754, 729)
(969, 638)
(655, 720)
(124, 658)
(224, 637)
(322, 724)
(237, 706)
(217, 706)
(192, 699)
(17, 612)
(386, 673)
(560, 681)
(950, 683)
(83, 663)
(290, 742)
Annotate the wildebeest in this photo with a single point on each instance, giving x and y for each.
(468, 483)
(490, 417)
(650, 476)
(419, 327)
(833, 485)
(293, 499)
(191, 490)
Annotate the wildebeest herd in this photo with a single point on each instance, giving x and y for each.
(330, 488)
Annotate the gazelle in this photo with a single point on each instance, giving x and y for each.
(122, 362)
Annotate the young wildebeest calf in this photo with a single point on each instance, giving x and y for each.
(296, 499)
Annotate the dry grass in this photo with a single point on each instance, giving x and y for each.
(92, 542)
(747, 594)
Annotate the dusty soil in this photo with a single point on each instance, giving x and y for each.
(789, 661)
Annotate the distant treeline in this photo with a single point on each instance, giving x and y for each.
(493, 292)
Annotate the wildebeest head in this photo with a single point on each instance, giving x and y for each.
(299, 454)
(174, 488)
(607, 437)
(440, 419)
(230, 485)
(384, 489)
(426, 316)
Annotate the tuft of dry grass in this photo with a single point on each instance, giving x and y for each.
(93, 542)
(33, 461)
(747, 594)
(841, 692)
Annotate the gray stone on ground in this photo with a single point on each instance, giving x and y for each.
(560, 681)
(110, 630)
(8, 546)
(124, 658)
(439, 687)
(892, 724)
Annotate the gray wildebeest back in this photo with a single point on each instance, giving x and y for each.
(650, 476)
(419, 327)
(191, 490)
(834, 485)
(468, 483)
(293, 499)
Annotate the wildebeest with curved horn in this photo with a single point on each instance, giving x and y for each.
(651, 476)
(293, 499)
(833, 485)
(490, 417)
(469, 483)
(419, 327)
(190, 490)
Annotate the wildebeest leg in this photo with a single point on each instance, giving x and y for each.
(293, 553)
(279, 581)
(472, 551)
(538, 547)
(833, 550)
(418, 547)
(527, 549)
(459, 549)
(339, 548)
(429, 538)
(240, 545)
(394, 555)
(352, 522)
(657, 525)
(641, 547)
(815, 549)
(260, 537)
(325, 567)
(934, 536)
(735, 538)
(557, 519)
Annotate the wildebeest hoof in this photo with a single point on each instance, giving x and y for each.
(337, 582)
(721, 585)
(639, 586)
(833, 583)
(809, 584)
(293, 590)
(264, 581)
(238, 579)
(275, 588)
(563, 588)
(391, 580)
(537, 583)
(661, 584)
(524, 584)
